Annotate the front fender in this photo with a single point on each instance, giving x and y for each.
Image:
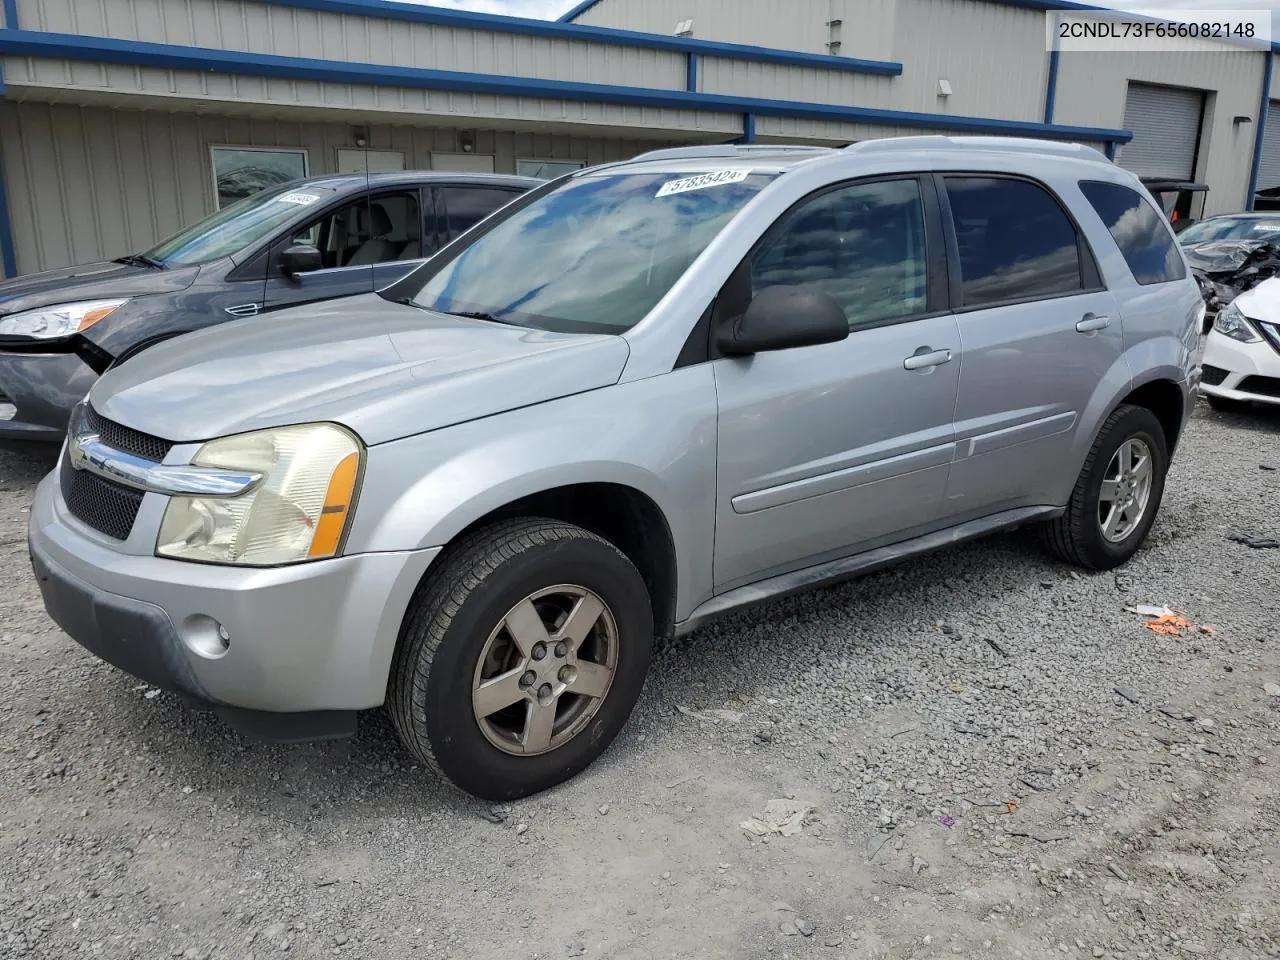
(657, 436)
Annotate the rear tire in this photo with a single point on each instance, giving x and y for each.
(1102, 529)
(521, 657)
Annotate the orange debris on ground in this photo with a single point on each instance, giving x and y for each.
(1170, 624)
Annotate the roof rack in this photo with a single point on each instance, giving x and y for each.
(728, 150)
(1001, 144)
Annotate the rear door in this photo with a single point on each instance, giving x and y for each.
(366, 242)
(1040, 333)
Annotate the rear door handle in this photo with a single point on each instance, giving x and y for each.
(924, 358)
(1091, 322)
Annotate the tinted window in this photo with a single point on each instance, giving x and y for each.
(1142, 235)
(593, 255)
(366, 231)
(1015, 241)
(467, 206)
(862, 244)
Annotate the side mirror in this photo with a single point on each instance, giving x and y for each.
(300, 258)
(783, 317)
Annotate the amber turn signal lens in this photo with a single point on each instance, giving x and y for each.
(337, 506)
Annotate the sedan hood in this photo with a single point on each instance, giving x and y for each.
(385, 370)
(1262, 302)
(92, 281)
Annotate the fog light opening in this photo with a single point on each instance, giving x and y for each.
(206, 637)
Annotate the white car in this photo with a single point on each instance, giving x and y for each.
(1242, 353)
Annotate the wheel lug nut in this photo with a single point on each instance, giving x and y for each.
(539, 651)
(544, 693)
(567, 674)
(528, 678)
(561, 648)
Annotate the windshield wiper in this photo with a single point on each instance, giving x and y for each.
(470, 315)
(141, 260)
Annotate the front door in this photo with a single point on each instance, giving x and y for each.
(827, 450)
(1040, 333)
(365, 244)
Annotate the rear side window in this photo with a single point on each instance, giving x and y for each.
(1142, 235)
(1015, 241)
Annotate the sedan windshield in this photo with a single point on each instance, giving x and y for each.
(593, 256)
(1231, 228)
(237, 226)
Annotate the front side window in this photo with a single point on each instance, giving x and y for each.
(238, 226)
(1015, 241)
(594, 255)
(366, 231)
(464, 207)
(1142, 235)
(863, 245)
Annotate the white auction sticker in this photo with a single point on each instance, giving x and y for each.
(301, 199)
(702, 181)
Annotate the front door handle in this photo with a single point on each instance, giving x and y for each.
(1091, 322)
(924, 358)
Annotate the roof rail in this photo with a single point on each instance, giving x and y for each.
(1001, 144)
(727, 150)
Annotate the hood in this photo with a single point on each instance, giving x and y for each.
(385, 370)
(1262, 302)
(92, 281)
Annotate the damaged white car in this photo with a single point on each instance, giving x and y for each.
(1242, 353)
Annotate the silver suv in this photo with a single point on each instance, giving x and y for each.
(637, 397)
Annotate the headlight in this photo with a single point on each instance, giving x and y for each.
(1232, 323)
(50, 323)
(300, 509)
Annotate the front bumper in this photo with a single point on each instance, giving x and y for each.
(1252, 370)
(307, 638)
(37, 392)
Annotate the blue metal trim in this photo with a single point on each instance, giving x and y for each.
(577, 11)
(11, 14)
(418, 13)
(8, 256)
(748, 128)
(1051, 83)
(691, 74)
(1111, 150)
(1258, 134)
(34, 43)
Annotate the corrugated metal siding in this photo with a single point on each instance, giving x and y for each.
(189, 85)
(291, 31)
(1269, 164)
(1092, 89)
(89, 183)
(1165, 122)
(1274, 93)
(775, 82)
(781, 24)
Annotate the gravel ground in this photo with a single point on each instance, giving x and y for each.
(1000, 761)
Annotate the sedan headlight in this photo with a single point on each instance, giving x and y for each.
(300, 510)
(1232, 323)
(51, 323)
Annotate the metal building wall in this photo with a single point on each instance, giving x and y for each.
(189, 89)
(291, 31)
(782, 24)
(1093, 86)
(89, 183)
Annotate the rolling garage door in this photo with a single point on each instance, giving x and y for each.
(1269, 164)
(1165, 122)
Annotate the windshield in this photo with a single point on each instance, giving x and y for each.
(237, 226)
(1231, 228)
(593, 256)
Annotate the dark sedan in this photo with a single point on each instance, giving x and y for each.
(296, 243)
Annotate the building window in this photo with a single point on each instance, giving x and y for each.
(240, 172)
(547, 169)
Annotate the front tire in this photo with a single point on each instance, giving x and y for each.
(1117, 494)
(521, 657)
